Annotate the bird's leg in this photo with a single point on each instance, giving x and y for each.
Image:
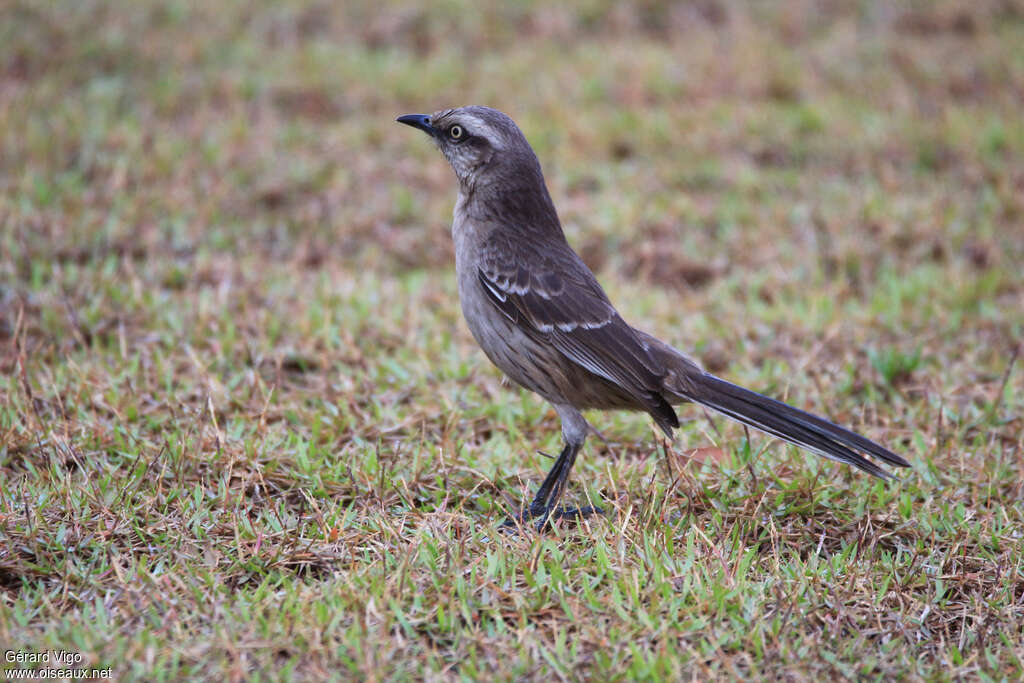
(545, 504)
(554, 484)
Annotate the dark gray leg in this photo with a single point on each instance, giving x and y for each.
(545, 504)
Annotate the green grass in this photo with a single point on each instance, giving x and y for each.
(244, 432)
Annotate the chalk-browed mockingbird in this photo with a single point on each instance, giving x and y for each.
(540, 315)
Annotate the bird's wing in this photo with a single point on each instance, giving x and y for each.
(551, 294)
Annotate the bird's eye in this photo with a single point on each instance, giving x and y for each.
(456, 132)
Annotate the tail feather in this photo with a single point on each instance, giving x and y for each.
(790, 424)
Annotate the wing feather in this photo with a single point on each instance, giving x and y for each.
(553, 296)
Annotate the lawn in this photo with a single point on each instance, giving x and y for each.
(245, 433)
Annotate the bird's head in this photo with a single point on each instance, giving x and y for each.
(479, 142)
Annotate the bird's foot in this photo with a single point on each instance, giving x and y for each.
(542, 517)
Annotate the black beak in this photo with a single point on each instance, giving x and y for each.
(421, 121)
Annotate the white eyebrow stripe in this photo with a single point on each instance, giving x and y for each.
(478, 123)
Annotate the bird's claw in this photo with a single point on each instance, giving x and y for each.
(544, 516)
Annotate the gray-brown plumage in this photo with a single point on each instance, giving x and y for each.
(540, 315)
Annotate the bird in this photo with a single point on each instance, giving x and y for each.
(540, 315)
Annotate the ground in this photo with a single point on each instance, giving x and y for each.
(244, 431)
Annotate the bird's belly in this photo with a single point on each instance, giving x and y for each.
(510, 349)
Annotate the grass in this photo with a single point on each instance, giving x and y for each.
(244, 432)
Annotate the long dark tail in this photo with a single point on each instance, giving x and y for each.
(790, 424)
